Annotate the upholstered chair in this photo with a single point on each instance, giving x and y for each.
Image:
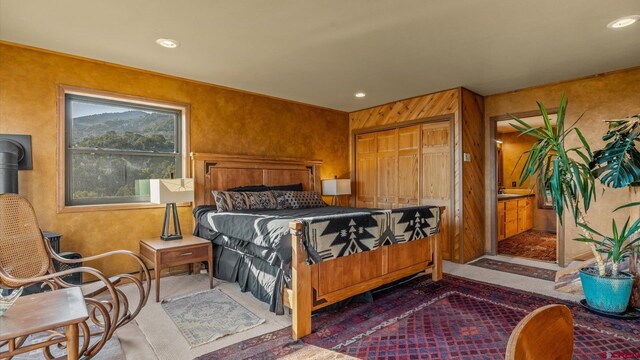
(26, 258)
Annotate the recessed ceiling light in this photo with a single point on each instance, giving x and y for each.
(623, 22)
(360, 94)
(168, 43)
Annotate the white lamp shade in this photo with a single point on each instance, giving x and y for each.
(336, 187)
(166, 191)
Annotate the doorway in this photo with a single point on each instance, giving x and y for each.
(524, 223)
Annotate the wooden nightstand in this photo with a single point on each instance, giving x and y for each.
(163, 254)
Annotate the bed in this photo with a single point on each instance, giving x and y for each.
(289, 258)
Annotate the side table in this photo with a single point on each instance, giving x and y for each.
(40, 312)
(163, 254)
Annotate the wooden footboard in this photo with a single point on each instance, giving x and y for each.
(325, 283)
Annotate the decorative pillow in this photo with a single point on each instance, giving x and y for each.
(262, 200)
(250, 188)
(298, 199)
(229, 201)
(291, 187)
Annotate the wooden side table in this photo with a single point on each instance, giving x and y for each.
(163, 254)
(41, 312)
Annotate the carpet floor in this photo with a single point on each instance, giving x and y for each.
(532, 244)
(451, 319)
(508, 267)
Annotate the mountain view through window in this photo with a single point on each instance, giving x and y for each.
(114, 147)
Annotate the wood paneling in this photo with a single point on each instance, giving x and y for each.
(465, 111)
(421, 107)
(222, 121)
(472, 175)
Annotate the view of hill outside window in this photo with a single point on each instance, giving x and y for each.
(114, 147)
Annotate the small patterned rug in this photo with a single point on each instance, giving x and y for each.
(532, 244)
(524, 270)
(208, 315)
(450, 319)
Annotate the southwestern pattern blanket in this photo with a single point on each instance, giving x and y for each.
(332, 236)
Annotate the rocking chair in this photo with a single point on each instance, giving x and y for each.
(26, 258)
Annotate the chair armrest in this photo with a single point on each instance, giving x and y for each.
(56, 275)
(57, 257)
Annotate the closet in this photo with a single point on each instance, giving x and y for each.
(406, 166)
(425, 150)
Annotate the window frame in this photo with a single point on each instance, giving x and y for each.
(64, 154)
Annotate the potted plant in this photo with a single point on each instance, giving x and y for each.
(618, 165)
(567, 173)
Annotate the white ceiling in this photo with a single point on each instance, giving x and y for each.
(322, 52)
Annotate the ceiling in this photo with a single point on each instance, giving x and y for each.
(322, 52)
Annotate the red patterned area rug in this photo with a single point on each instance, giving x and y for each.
(532, 244)
(524, 270)
(450, 319)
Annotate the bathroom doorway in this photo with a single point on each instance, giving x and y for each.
(525, 224)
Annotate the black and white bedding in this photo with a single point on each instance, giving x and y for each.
(253, 247)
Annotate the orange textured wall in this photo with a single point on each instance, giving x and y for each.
(222, 121)
(603, 97)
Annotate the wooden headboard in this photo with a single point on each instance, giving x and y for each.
(221, 172)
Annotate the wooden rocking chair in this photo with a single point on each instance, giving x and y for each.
(26, 258)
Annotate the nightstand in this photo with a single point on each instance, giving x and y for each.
(164, 254)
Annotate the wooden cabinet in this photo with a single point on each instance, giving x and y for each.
(387, 169)
(514, 216)
(502, 221)
(406, 166)
(448, 129)
(366, 170)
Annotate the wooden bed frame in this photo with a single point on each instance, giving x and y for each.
(318, 285)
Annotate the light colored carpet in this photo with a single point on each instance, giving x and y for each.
(110, 351)
(157, 337)
(209, 315)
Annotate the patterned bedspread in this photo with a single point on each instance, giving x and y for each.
(331, 231)
(332, 236)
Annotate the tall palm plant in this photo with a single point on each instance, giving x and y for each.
(563, 171)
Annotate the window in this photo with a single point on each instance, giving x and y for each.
(114, 146)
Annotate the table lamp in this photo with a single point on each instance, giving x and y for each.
(336, 187)
(170, 192)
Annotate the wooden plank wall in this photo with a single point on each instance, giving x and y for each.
(473, 174)
(467, 109)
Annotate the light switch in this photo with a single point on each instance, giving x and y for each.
(466, 157)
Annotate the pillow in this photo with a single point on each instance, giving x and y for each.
(229, 200)
(291, 187)
(298, 199)
(250, 188)
(261, 200)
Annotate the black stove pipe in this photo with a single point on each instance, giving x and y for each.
(11, 152)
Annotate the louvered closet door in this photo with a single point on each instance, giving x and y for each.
(436, 175)
(387, 169)
(408, 166)
(366, 170)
